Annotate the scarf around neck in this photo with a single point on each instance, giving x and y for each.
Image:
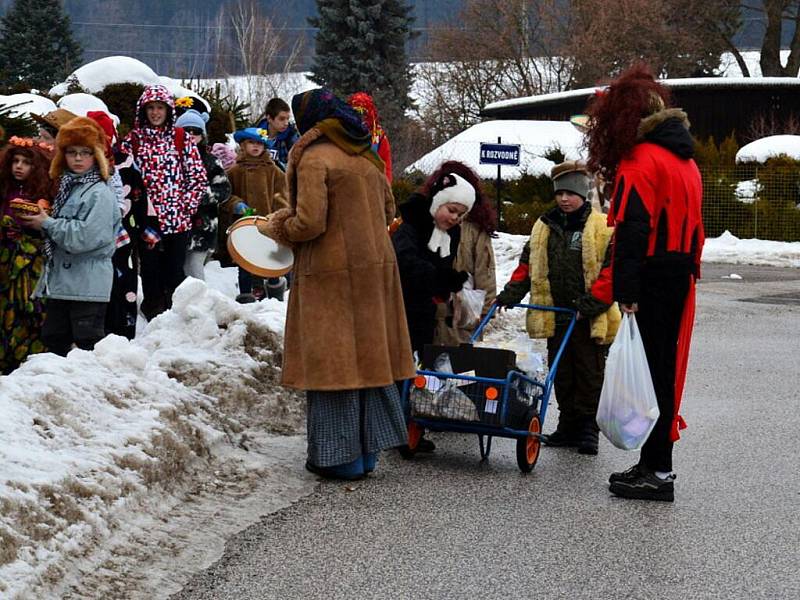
(69, 181)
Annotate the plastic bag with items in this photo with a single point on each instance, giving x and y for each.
(442, 398)
(468, 305)
(628, 408)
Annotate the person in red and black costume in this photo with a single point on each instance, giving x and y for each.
(646, 149)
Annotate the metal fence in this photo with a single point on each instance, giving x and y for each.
(752, 202)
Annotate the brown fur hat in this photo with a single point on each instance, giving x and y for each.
(80, 131)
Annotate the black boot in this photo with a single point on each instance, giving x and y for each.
(588, 436)
(276, 287)
(564, 435)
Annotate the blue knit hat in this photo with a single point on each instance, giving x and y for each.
(254, 134)
(192, 118)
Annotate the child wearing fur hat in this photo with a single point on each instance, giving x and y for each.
(259, 187)
(23, 175)
(79, 239)
(568, 252)
(203, 236)
(444, 239)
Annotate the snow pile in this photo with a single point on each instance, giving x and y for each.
(27, 104)
(81, 104)
(727, 248)
(96, 75)
(747, 191)
(89, 436)
(536, 138)
(768, 147)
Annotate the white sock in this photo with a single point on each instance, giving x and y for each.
(663, 474)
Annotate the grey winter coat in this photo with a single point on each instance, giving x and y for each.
(83, 235)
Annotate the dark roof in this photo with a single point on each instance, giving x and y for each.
(716, 106)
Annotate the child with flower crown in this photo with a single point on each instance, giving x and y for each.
(23, 175)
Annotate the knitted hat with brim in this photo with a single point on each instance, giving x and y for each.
(571, 176)
(80, 131)
(192, 118)
(253, 134)
(54, 119)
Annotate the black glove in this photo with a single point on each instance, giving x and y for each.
(452, 280)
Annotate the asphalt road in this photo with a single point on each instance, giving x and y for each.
(447, 526)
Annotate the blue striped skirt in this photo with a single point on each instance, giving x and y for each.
(346, 424)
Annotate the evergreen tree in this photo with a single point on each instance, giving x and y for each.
(36, 45)
(361, 46)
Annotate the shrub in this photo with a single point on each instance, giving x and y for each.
(121, 98)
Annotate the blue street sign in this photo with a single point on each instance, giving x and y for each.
(500, 154)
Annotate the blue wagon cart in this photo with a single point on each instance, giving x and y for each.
(509, 405)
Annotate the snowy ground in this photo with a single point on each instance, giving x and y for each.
(152, 452)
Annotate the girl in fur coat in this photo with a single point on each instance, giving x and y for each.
(444, 238)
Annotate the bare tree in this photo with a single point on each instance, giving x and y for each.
(678, 38)
(777, 12)
(254, 56)
(500, 49)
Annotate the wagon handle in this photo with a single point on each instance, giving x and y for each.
(552, 368)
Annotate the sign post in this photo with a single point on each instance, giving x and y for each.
(499, 154)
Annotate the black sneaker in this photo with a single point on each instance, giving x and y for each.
(629, 474)
(646, 486)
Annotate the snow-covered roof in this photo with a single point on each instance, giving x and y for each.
(534, 137)
(768, 147)
(28, 104)
(689, 82)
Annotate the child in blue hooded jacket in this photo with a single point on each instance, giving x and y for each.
(79, 240)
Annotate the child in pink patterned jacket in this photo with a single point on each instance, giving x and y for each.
(175, 180)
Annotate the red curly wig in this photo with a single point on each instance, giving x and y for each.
(482, 213)
(615, 114)
(38, 184)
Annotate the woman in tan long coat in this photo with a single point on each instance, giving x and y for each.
(346, 339)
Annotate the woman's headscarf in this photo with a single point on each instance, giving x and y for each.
(341, 124)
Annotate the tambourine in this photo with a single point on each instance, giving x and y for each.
(256, 253)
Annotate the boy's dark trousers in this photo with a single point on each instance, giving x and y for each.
(661, 305)
(579, 377)
(162, 272)
(73, 321)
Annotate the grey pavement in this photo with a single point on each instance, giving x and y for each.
(447, 526)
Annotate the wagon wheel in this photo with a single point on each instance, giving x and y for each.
(528, 447)
(414, 436)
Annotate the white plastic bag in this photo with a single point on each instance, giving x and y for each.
(468, 305)
(628, 407)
